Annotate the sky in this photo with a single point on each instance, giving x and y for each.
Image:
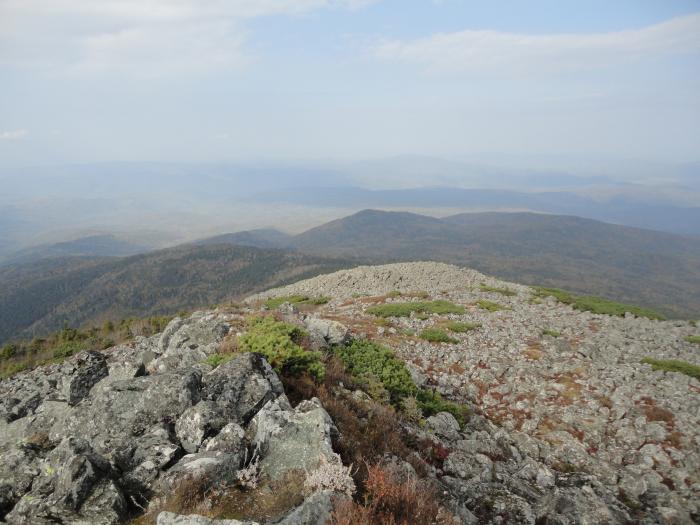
(193, 80)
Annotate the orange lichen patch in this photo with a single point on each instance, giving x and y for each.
(572, 389)
(363, 300)
(653, 412)
(604, 401)
(674, 440)
(481, 386)
(457, 369)
(548, 425)
(532, 353)
(356, 324)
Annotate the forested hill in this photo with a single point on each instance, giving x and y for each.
(43, 296)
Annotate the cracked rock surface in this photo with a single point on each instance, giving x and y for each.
(98, 437)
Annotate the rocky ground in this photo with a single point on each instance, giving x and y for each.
(566, 427)
(578, 401)
(105, 436)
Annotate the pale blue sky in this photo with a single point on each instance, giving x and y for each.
(188, 80)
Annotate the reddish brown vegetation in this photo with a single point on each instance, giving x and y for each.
(390, 500)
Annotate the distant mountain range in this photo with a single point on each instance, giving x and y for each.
(644, 267)
(619, 210)
(92, 245)
(649, 268)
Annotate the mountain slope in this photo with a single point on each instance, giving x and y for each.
(260, 238)
(41, 297)
(93, 245)
(649, 268)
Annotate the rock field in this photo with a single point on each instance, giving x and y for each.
(567, 425)
(579, 399)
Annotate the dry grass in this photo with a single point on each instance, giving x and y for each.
(268, 501)
(390, 500)
(533, 353)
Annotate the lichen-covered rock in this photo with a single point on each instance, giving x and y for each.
(443, 424)
(74, 485)
(197, 423)
(90, 368)
(325, 332)
(188, 342)
(241, 387)
(292, 439)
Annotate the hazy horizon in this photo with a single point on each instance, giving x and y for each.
(279, 80)
(181, 119)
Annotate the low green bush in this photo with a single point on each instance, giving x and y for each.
(280, 344)
(598, 305)
(68, 348)
(275, 302)
(9, 350)
(674, 365)
(695, 339)
(420, 307)
(490, 306)
(435, 335)
(23, 355)
(377, 369)
(460, 327)
(431, 402)
(503, 291)
(219, 359)
(551, 333)
(365, 358)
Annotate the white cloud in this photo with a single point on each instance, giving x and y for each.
(148, 37)
(484, 50)
(144, 10)
(16, 134)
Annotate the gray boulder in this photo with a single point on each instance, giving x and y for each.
(197, 423)
(241, 387)
(326, 332)
(292, 439)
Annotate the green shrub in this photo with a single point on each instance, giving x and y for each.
(219, 359)
(280, 344)
(11, 369)
(420, 307)
(8, 351)
(431, 402)
(435, 335)
(68, 348)
(693, 339)
(674, 365)
(503, 291)
(275, 302)
(490, 306)
(459, 327)
(371, 365)
(551, 333)
(365, 358)
(598, 305)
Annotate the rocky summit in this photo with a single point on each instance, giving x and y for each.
(514, 408)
